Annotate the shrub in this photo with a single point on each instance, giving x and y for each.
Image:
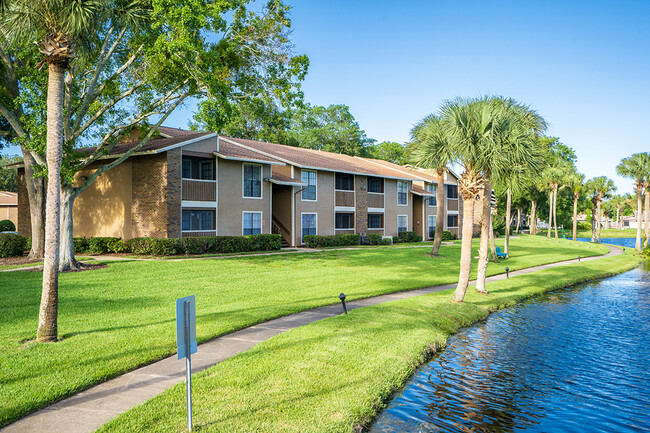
(448, 236)
(583, 225)
(320, 241)
(231, 244)
(265, 242)
(499, 225)
(646, 252)
(406, 237)
(376, 239)
(7, 226)
(155, 246)
(11, 245)
(99, 245)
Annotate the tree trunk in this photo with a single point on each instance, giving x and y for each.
(575, 216)
(550, 214)
(66, 250)
(647, 214)
(483, 258)
(639, 215)
(618, 218)
(440, 212)
(593, 220)
(555, 210)
(506, 245)
(600, 218)
(518, 219)
(493, 245)
(533, 217)
(47, 319)
(466, 251)
(36, 195)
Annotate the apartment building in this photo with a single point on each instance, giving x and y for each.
(185, 183)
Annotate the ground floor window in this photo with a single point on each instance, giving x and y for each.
(402, 223)
(195, 219)
(344, 220)
(308, 225)
(375, 221)
(432, 226)
(252, 223)
(452, 221)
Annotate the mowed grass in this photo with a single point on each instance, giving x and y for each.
(335, 375)
(115, 319)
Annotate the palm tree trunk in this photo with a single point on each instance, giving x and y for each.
(600, 218)
(493, 245)
(647, 214)
(639, 215)
(533, 217)
(550, 214)
(440, 212)
(555, 210)
(506, 245)
(483, 258)
(575, 216)
(518, 219)
(466, 250)
(36, 195)
(618, 217)
(47, 318)
(66, 250)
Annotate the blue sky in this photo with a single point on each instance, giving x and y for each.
(583, 65)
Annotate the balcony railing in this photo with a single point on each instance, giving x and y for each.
(199, 190)
(452, 204)
(375, 200)
(345, 198)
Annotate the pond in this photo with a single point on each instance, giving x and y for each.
(571, 360)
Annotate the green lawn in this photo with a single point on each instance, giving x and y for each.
(115, 319)
(336, 374)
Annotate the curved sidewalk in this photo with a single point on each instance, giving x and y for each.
(92, 408)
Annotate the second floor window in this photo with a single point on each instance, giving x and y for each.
(375, 184)
(433, 189)
(402, 194)
(197, 168)
(309, 177)
(344, 182)
(452, 191)
(252, 180)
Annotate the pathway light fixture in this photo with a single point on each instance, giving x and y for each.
(345, 307)
(507, 272)
(578, 259)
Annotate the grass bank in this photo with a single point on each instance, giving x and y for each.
(115, 319)
(336, 374)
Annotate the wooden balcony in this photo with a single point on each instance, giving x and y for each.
(344, 198)
(198, 234)
(452, 204)
(376, 200)
(199, 190)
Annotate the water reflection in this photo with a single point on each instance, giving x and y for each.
(572, 360)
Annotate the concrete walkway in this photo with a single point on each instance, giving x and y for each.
(90, 409)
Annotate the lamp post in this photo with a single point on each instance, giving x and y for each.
(507, 272)
(345, 307)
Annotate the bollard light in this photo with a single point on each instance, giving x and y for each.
(623, 250)
(342, 298)
(578, 259)
(507, 272)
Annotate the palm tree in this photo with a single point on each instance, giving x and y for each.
(600, 187)
(430, 149)
(60, 29)
(576, 182)
(550, 180)
(635, 167)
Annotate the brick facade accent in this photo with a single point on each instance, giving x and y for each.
(149, 197)
(361, 214)
(24, 226)
(174, 193)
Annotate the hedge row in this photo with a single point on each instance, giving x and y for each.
(11, 245)
(377, 239)
(319, 241)
(406, 237)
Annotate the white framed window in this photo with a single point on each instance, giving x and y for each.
(452, 221)
(402, 223)
(197, 220)
(433, 189)
(252, 180)
(309, 221)
(309, 193)
(251, 223)
(402, 193)
(375, 221)
(452, 191)
(432, 226)
(344, 220)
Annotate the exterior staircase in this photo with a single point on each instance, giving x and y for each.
(277, 228)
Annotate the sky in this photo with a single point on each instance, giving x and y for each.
(583, 65)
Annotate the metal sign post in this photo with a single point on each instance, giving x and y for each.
(186, 342)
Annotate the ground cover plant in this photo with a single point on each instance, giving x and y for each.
(115, 319)
(334, 375)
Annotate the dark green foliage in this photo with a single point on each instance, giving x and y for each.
(499, 225)
(11, 245)
(231, 244)
(155, 246)
(7, 226)
(99, 245)
(318, 241)
(582, 225)
(448, 236)
(646, 252)
(376, 239)
(406, 237)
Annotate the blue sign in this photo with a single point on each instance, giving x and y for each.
(186, 326)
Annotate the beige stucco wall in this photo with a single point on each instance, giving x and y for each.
(232, 204)
(392, 210)
(323, 206)
(9, 212)
(104, 208)
(206, 146)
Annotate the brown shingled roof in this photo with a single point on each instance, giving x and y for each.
(229, 150)
(151, 145)
(8, 198)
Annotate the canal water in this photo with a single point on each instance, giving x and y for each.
(573, 360)
(621, 242)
